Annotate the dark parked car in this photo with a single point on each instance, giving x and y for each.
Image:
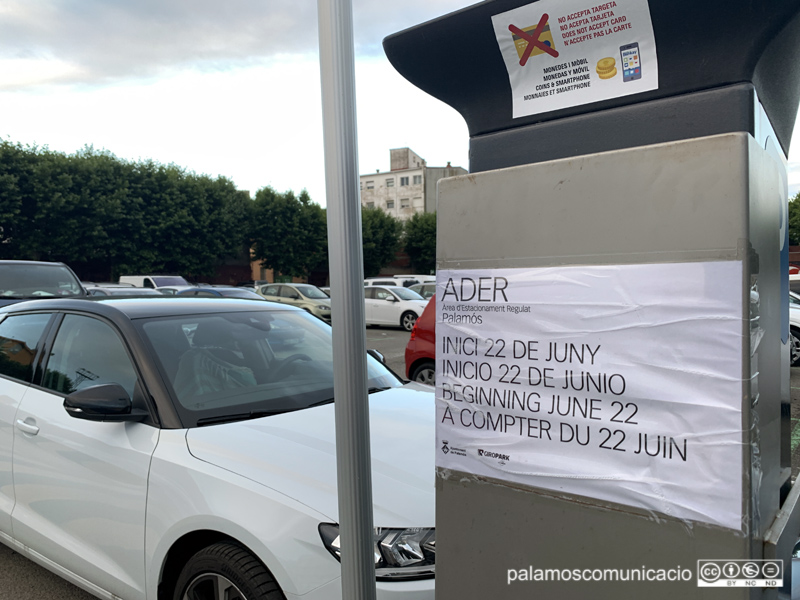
(421, 347)
(27, 279)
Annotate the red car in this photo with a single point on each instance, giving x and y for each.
(421, 347)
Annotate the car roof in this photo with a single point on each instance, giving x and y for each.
(148, 306)
(31, 262)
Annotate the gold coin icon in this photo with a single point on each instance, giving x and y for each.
(607, 75)
(604, 65)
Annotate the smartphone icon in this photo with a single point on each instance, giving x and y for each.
(631, 62)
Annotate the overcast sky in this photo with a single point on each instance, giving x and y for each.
(219, 88)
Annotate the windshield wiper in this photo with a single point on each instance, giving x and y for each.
(253, 414)
(371, 390)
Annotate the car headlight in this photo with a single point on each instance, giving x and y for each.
(323, 307)
(399, 553)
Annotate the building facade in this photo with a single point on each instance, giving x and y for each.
(408, 188)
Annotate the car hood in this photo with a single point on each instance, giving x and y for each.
(295, 454)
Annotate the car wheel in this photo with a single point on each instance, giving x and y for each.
(226, 571)
(407, 320)
(794, 348)
(425, 373)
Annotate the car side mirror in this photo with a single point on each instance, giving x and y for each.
(105, 402)
(377, 355)
(391, 299)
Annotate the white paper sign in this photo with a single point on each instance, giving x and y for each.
(562, 53)
(621, 383)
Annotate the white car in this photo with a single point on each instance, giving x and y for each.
(794, 329)
(393, 305)
(161, 448)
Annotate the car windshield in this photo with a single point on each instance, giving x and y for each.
(241, 365)
(406, 294)
(310, 291)
(162, 281)
(38, 281)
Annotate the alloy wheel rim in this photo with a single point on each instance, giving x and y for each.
(212, 586)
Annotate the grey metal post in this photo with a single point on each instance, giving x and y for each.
(337, 72)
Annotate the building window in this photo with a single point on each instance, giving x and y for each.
(370, 205)
(370, 185)
(403, 181)
(390, 204)
(417, 179)
(390, 182)
(404, 203)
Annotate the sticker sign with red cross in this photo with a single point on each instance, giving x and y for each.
(563, 53)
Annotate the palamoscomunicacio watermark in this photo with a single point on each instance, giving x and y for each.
(630, 574)
(710, 573)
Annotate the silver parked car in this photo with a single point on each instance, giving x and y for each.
(302, 295)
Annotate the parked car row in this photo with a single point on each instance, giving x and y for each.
(384, 305)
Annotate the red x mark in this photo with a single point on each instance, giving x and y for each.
(533, 40)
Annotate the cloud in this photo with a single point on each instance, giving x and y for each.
(97, 41)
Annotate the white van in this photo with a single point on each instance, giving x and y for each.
(154, 281)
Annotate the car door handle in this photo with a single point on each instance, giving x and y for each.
(27, 427)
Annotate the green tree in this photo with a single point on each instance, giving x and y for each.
(105, 217)
(315, 222)
(794, 220)
(420, 242)
(381, 234)
(289, 233)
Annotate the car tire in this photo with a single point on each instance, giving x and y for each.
(794, 347)
(226, 566)
(425, 372)
(407, 320)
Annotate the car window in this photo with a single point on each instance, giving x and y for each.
(369, 293)
(19, 340)
(225, 365)
(162, 281)
(271, 290)
(87, 352)
(287, 292)
(312, 292)
(382, 294)
(38, 280)
(406, 294)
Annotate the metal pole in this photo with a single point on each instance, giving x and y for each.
(354, 474)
